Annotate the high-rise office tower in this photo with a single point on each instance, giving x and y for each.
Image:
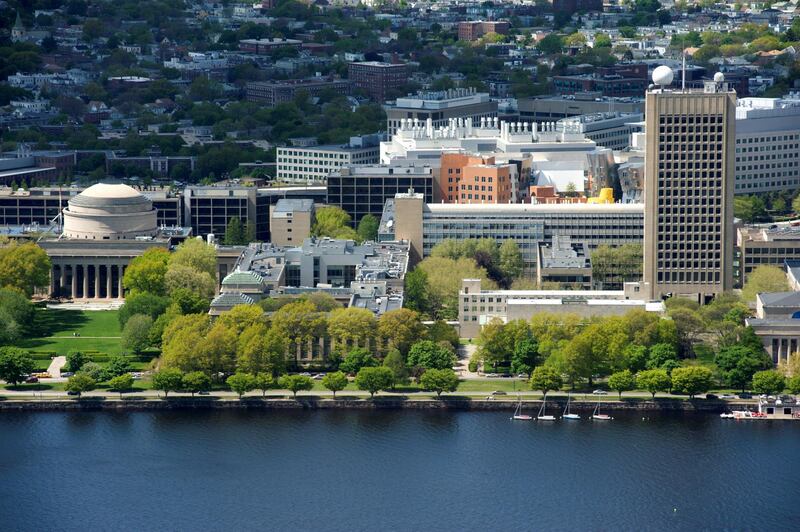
(689, 178)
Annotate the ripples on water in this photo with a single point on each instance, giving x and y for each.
(393, 470)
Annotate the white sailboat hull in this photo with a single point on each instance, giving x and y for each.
(571, 416)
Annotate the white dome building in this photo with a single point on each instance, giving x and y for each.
(109, 212)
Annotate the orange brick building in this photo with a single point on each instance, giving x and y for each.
(474, 179)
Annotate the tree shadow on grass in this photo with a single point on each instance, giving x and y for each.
(30, 387)
(49, 322)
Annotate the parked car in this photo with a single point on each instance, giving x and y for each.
(499, 392)
(600, 392)
(67, 374)
(745, 395)
(319, 376)
(727, 396)
(306, 374)
(522, 375)
(72, 393)
(31, 380)
(204, 392)
(711, 396)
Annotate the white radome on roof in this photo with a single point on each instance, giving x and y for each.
(663, 76)
(719, 77)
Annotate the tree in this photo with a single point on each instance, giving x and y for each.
(296, 383)
(117, 365)
(264, 382)
(80, 383)
(394, 361)
(356, 359)
(195, 381)
(335, 382)
(14, 364)
(374, 379)
(261, 350)
(738, 363)
(168, 380)
(24, 267)
(142, 303)
(440, 331)
(439, 380)
(768, 382)
(16, 314)
(689, 325)
(429, 355)
(551, 44)
(635, 357)
(197, 255)
(794, 384)
(146, 272)
(511, 262)
(654, 381)
(136, 334)
(352, 327)
(333, 222)
(444, 282)
(545, 378)
(75, 361)
(764, 279)
(180, 276)
(182, 340)
(234, 233)
(400, 328)
(416, 291)
(622, 381)
(121, 383)
(368, 228)
(660, 354)
(691, 380)
(525, 357)
(241, 383)
(94, 370)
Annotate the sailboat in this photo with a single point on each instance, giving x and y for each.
(518, 415)
(567, 414)
(542, 416)
(597, 415)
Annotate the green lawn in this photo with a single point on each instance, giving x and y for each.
(53, 331)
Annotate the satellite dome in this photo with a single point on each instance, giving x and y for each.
(719, 77)
(663, 76)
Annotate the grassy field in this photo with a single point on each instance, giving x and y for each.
(54, 331)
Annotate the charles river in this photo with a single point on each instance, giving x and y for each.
(394, 470)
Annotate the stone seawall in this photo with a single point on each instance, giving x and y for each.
(449, 403)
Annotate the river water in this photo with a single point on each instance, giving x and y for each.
(394, 470)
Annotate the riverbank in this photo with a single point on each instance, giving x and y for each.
(311, 402)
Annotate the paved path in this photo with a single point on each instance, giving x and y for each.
(88, 337)
(54, 369)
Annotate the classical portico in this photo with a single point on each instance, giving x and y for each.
(105, 227)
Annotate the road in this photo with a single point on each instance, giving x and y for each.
(510, 396)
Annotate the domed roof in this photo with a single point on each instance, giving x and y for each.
(110, 190)
(109, 194)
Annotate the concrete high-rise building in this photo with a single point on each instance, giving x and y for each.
(689, 177)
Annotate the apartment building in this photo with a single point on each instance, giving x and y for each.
(476, 179)
(689, 174)
(377, 79)
(440, 107)
(272, 93)
(265, 46)
(313, 164)
(472, 30)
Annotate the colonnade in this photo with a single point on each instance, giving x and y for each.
(81, 280)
